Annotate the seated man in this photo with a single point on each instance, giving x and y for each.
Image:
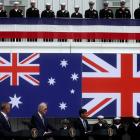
(39, 121)
(5, 125)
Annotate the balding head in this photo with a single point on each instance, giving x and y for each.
(42, 108)
(5, 107)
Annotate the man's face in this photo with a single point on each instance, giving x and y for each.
(43, 110)
(48, 7)
(7, 109)
(63, 7)
(122, 4)
(32, 4)
(1, 6)
(91, 6)
(76, 9)
(16, 6)
(105, 5)
(84, 115)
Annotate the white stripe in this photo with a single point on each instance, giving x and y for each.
(112, 71)
(70, 28)
(98, 97)
(136, 99)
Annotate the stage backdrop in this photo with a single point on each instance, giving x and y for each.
(104, 84)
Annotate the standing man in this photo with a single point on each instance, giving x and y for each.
(123, 12)
(106, 13)
(39, 121)
(76, 14)
(16, 12)
(63, 13)
(91, 12)
(134, 128)
(118, 128)
(5, 126)
(48, 13)
(137, 13)
(32, 12)
(3, 12)
(81, 124)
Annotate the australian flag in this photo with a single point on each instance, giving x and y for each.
(29, 79)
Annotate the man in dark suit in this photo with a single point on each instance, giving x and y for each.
(39, 121)
(63, 13)
(118, 129)
(48, 13)
(3, 12)
(137, 13)
(76, 14)
(16, 12)
(106, 12)
(5, 126)
(91, 12)
(134, 128)
(32, 12)
(81, 124)
(123, 12)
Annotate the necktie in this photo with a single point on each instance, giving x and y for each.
(85, 125)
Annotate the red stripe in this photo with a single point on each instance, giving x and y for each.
(1, 62)
(94, 64)
(27, 59)
(98, 106)
(32, 79)
(78, 35)
(4, 77)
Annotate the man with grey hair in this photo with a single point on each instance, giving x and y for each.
(5, 125)
(39, 121)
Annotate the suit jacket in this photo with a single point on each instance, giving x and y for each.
(123, 13)
(137, 13)
(47, 14)
(64, 14)
(37, 123)
(5, 128)
(76, 15)
(91, 14)
(78, 125)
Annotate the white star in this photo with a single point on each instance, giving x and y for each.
(63, 106)
(15, 101)
(74, 77)
(72, 91)
(51, 81)
(64, 63)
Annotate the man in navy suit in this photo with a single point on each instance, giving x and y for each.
(39, 121)
(81, 125)
(5, 126)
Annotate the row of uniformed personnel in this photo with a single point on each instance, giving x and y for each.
(106, 12)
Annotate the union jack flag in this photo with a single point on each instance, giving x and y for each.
(16, 69)
(111, 82)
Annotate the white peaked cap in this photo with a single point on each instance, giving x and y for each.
(117, 118)
(106, 2)
(100, 117)
(16, 2)
(122, 1)
(1, 3)
(136, 117)
(91, 2)
(63, 4)
(33, 1)
(48, 4)
(77, 6)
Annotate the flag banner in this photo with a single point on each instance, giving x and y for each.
(104, 84)
(114, 29)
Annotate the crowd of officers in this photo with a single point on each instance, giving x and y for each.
(105, 13)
